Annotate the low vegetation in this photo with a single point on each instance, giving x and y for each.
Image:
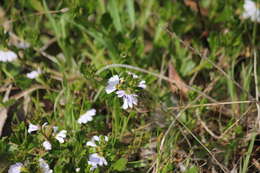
(129, 86)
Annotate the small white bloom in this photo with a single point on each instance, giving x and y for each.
(86, 117)
(61, 136)
(55, 129)
(142, 84)
(128, 99)
(112, 83)
(18, 42)
(22, 45)
(45, 168)
(91, 143)
(96, 160)
(94, 139)
(251, 11)
(182, 167)
(34, 74)
(47, 145)
(134, 75)
(32, 128)
(77, 169)
(7, 56)
(15, 168)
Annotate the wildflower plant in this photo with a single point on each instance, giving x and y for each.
(126, 88)
(129, 86)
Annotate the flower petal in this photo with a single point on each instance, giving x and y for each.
(112, 83)
(47, 145)
(32, 128)
(61, 136)
(44, 166)
(15, 168)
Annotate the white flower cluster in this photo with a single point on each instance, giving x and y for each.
(7, 56)
(95, 159)
(129, 99)
(17, 167)
(58, 136)
(251, 11)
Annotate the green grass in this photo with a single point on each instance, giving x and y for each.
(74, 44)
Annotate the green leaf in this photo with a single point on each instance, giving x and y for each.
(120, 164)
(23, 82)
(7, 103)
(113, 10)
(131, 11)
(36, 4)
(187, 67)
(193, 169)
(104, 41)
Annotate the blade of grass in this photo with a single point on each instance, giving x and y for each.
(102, 6)
(113, 7)
(248, 154)
(131, 12)
(147, 12)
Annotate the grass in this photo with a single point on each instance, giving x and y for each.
(202, 117)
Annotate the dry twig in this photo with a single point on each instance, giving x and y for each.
(3, 110)
(256, 91)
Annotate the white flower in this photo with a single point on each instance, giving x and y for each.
(45, 168)
(112, 83)
(86, 117)
(133, 75)
(55, 129)
(34, 74)
(61, 136)
(251, 11)
(32, 128)
(77, 169)
(142, 84)
(92, 142)
(7, 56)
(22, 45)
(95, 160)
(47, 145)
(18, 42)
(15, 168)
(129, 99)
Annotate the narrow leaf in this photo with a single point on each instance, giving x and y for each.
(114, 12)
(131, 12)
